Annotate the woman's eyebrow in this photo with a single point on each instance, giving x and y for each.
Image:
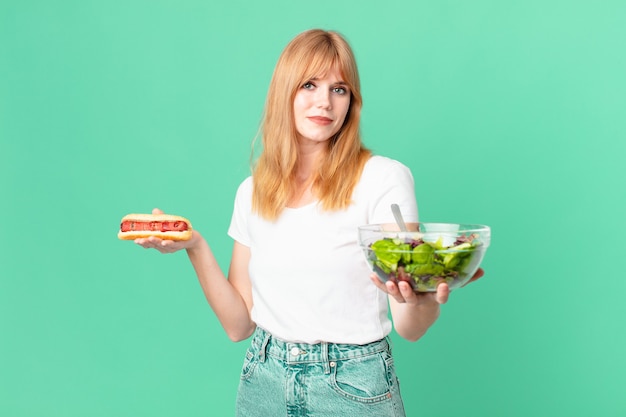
(339, 82)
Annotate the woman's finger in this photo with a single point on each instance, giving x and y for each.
(443, 293)
(407, 293)
(394, 291)
(401, 292)
(479, 273)
(163, 246)
(378, 283)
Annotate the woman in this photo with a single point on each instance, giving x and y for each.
(298, 282)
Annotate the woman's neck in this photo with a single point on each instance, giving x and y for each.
(302, 194)
(306, 173)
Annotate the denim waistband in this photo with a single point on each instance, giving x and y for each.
(294, 353)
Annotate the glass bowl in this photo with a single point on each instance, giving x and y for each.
(426, 255)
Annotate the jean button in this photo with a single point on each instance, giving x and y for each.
(294, 351)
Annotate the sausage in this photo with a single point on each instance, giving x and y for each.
(162, 226)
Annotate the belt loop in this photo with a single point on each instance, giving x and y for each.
(389, 343)
(325, 361)
(263, 350)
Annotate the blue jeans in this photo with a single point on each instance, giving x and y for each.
(325, 379)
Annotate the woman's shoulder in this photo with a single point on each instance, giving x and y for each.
(246, 183)
(379, 166)
(245, 188)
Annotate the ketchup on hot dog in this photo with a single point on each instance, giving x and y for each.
(162, 226)
(166, 226)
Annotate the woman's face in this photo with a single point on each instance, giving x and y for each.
(320, 107)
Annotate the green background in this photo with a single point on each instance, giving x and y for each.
(511, 114)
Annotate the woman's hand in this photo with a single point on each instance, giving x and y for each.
(167, 246)
(403, 293)
(414, 313)
(479, 273)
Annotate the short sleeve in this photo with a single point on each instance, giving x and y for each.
(391, 183)
(242, 210)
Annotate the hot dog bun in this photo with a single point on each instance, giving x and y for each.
(162, 226)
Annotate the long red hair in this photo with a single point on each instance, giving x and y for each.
(310, 54)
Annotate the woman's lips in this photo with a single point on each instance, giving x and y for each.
(320, 120)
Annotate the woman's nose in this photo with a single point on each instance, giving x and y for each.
(322, 99)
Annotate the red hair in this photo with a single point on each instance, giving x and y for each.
(309, 55)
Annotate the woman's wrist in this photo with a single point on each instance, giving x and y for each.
(195, 243)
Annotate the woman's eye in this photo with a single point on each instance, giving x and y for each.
(340, 90)
(308, 86)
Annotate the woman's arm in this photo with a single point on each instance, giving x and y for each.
(412, 313)
(230, 299)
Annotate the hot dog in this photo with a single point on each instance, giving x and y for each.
(163, 226)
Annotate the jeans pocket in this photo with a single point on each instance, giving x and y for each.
(365, 379)
(249, 363)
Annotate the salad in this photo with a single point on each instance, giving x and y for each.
(424, 264)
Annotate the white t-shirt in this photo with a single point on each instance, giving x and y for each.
(310, 280)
